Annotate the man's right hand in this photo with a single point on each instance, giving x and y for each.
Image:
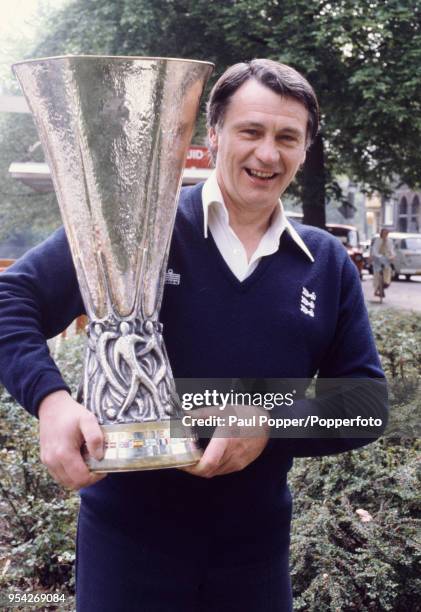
(64, 425)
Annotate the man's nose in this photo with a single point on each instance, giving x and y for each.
(267, 152)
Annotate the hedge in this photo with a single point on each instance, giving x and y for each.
(355, 534)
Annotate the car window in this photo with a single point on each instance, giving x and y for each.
(414, 244)
(346, 236)
(353, 238)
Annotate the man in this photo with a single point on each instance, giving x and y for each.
(382, 253)
(258, 298)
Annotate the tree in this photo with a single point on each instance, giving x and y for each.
(361, 57)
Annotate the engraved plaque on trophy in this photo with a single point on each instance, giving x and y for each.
(115, 131)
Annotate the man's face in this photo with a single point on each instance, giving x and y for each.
(260, 146)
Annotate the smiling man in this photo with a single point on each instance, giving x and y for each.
(255, 297)
(259, 140)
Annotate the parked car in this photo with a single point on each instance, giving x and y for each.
(408, 254)
(407, 260)
(348, 235)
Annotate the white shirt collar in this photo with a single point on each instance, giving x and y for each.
(211, 195)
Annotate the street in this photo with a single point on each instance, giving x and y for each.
(402, 294)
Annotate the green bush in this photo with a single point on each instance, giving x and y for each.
(341, 559)
(367, 560)
(398, 340)
(38, 524)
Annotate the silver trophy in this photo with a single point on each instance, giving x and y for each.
(115, 131)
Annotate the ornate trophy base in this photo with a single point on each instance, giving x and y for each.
(143, 446)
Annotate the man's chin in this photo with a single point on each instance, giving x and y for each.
(260, 204)
(267, 194)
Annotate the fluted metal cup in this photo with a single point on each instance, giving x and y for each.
(115, 131)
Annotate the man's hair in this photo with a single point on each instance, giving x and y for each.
(280, 78)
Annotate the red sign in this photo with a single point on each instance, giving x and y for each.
(198, 157)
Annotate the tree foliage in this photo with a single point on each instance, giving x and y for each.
(361, 57)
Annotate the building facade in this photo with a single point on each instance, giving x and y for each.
(402, 212)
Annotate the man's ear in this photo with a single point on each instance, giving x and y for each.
(213, 139)
(303, 158)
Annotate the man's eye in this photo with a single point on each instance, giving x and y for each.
(250, 132)
(290, 139)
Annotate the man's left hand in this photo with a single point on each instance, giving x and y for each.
(225, 454)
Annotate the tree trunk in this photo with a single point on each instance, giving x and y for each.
(313, 185)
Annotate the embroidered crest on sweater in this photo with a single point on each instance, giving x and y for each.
(308, 302)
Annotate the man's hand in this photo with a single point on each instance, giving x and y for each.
(225, 454)
(64, 425)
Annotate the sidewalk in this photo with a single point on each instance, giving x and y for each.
(402, 295)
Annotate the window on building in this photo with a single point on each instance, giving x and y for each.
(388, 212)
(415, 222)
(403, 215)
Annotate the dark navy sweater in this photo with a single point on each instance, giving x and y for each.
(214, 327)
